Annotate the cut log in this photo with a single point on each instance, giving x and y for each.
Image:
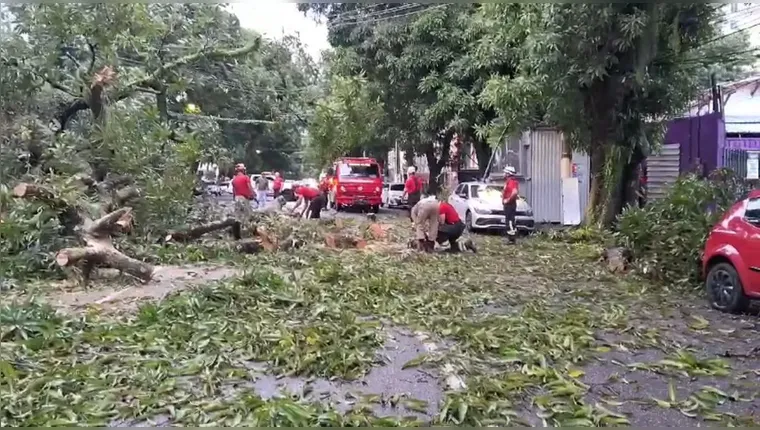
(104, 256)
(343, 242)
(24, 190)
(268, 241)
(124, 195)
(617, 259)
(108, 224)
(195, 233)
(249, 246)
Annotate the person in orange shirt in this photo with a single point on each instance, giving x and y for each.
(326, 185)
(509, 200)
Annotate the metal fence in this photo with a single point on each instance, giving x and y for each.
(736, 160)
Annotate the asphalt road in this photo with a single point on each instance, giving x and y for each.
(226, 200)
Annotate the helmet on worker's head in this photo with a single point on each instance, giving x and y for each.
(411, 170)
(509, 170)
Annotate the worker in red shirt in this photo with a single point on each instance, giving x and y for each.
(412, 189)
(242, 191)
(509, 199)
(277, 185)
(450, 229)
(312, 200)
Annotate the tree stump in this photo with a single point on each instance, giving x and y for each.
(617, 259)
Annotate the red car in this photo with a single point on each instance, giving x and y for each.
(731, 259)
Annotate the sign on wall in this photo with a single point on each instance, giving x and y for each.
(753, 165)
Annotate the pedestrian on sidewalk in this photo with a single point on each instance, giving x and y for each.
(509, 200)
(262, 188)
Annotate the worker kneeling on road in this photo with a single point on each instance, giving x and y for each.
(450, 229)
(425, 216)
(312, 200)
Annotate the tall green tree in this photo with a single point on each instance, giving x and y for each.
(346, 122)
(608, 75)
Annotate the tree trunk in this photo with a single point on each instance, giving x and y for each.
(596, 191)
(483, 152)
(196, 232)
(624, 191)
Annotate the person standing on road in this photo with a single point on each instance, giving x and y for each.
(412, 189)
(277, 185)
(312, 199)
(242, 192)
(425, 217)
(262, 188)
(509, 200)
(450, 229)
(326, 185)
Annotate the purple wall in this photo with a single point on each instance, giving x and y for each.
(701, 137)
(743, 143)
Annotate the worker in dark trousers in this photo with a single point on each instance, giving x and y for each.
(450, 229)
(509, 199)
(412, 189)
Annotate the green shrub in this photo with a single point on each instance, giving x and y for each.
(667, 236)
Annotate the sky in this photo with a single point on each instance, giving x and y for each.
(274, 18)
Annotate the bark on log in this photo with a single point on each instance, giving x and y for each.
(249, 246)
(104, 256)
(25, 190)
(196, 232)
(342, 241)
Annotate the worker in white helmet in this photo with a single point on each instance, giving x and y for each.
(412, 189)
(509, 199)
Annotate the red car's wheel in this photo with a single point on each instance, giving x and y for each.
(725, 290)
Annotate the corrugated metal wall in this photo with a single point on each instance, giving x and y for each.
(545, 176)
(736, 160)
(662, 170)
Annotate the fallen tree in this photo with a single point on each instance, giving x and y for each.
(194, 233)
(95, 234)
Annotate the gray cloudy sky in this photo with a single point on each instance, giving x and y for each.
(274, 18)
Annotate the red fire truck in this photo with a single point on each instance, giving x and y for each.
(359, 183)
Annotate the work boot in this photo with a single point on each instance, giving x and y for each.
(470, 245)
(422, 245)
(429, 246)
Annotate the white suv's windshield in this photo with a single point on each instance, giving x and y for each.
(486, 192)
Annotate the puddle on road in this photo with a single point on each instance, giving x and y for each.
(382, 383)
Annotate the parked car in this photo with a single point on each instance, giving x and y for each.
(392, 193)
(479, 205)
(731, 257)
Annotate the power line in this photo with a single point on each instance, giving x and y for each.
(376, 14)
(389, 17)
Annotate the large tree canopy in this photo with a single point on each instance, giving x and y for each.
(95, 96)
(608, 75)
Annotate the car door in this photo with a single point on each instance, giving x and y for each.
(748, 244)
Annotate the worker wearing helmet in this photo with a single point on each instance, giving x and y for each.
(509, 200)
(412, 189)
(242, 191)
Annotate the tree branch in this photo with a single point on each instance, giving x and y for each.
(139, 85)
(220, 119)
